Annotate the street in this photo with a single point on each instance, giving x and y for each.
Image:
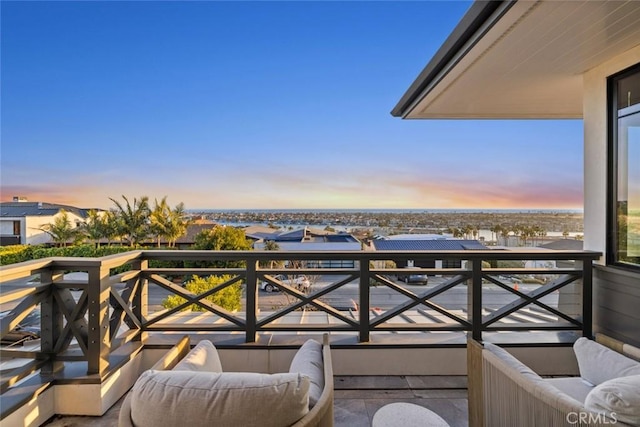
(347, 296)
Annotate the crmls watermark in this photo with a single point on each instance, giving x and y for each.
(591, 418)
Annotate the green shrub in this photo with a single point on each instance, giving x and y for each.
(533, 281)
(509, 264)
(21, 253)
(81, 251)
(228, 298)
(14, 254)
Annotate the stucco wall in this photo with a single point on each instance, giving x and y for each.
(32, 234)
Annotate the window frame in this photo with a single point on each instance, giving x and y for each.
(612, 167)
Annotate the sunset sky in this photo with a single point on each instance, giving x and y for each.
(240, 105)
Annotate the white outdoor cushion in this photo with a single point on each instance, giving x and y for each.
(530, 382)
(618, 399)
(199, 399)
(203, 357)
(573, 386)
(511, 361)
(631, 351)
(308, 362)
(598, 363)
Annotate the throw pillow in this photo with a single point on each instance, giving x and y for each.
(308, 362)
(618, 399)
(598, 363)
(203, 357)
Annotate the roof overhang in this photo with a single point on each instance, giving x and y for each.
(521, 59)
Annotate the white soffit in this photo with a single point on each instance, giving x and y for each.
(530, 64)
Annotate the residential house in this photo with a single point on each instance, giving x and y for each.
(559, 60)
(440, 244)
(309, 239)
(21, 221)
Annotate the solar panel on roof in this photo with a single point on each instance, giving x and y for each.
(427, 245)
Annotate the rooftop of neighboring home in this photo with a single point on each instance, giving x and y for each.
(192, 231)
(306, 234)
(305, 239)
(427, 245)
(417, 237)
(564, 245)
(20, 207)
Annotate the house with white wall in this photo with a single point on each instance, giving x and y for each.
(559, 60)
(21, 221)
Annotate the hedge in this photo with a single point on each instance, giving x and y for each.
(20, 253)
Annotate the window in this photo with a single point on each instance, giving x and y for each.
(16, 228)
(624, 175)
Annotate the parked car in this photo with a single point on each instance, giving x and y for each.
(28, 329)
(414, 277)
(301, 283)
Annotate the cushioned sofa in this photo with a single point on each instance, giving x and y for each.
(194, 391)
(509, 393)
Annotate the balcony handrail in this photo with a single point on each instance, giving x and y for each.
(102, 309)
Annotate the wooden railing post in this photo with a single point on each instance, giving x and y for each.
(364, 300)
(474, 295)
(51, 322)
(251, 300)
(475, 383)
(587, 298)
(140, 299)
(99, 342)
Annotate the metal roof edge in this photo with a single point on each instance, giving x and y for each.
(480, 14)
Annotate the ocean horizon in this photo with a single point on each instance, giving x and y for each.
(370, 210)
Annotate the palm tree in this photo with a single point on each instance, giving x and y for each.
(505, 230)
(62, 230)
(525, 233)
(160, 219)
(494, 231)
(542, 233)
(517, 231)
(539, 232)
(178, 224)
(475, 231)
(168, 223)
(113, 228)
(458, 233)
(134, 219)
(271, 245)
(94, 226)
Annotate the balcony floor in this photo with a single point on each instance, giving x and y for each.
(357, 398)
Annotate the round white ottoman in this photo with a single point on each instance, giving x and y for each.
(406, 415)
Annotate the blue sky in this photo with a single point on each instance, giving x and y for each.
(255, 105)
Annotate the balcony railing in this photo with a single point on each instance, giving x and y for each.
(108, 315)
(88, 320)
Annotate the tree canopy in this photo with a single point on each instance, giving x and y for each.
(220, 238)
(228, 298)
